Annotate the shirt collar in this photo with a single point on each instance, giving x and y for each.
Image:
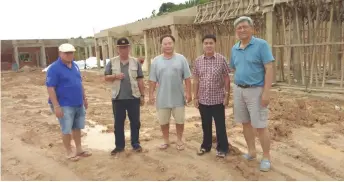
(252, 41)
(213, 56)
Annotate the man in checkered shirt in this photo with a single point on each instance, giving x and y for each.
(211, 95)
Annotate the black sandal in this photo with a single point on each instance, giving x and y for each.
(202, 151)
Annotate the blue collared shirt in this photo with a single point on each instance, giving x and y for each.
(67, 82)
(249, 62)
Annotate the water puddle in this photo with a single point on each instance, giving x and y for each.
(96, 138)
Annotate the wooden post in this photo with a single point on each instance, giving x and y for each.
(147, 62)
(328, 46)
(270, 35)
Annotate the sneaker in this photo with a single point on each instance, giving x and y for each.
(137, 148)
(116, 150)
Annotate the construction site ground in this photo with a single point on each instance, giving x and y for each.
(307, 134)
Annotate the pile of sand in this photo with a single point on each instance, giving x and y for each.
(27, 69)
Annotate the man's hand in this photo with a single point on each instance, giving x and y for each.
(119, 76)
(196, 103)
(85, 103)
(142, 100)
(265, 99)
(188, 98)
(151, 100)
(58, 111)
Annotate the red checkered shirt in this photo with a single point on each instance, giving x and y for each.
(210, 72)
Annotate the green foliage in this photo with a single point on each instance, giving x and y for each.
(171, 7)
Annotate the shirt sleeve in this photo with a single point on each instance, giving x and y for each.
(231, 63)
(52, 78)
(225, 66)
(265, 53)
(108, 70)
(195, 70)
(153, 75)
(186, 69)
(139, 70)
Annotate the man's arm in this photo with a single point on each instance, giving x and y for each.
(267, 59)
(268, 77)
(187, 77)
(195, 75)
(226, 78)
(140, 79)
(51, 83)
(108, 73)
(152, 79)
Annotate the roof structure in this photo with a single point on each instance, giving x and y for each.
(185, 16)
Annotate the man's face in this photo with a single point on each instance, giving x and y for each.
(167, 45)
(67, 56)
(123, 50)
(244, 30)
(209, 45)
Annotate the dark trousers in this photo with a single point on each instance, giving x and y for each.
(207, 114)
(120, 109)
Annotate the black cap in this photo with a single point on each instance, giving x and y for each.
(123, 42)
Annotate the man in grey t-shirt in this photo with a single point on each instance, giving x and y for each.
(169, 70)
(125, 73)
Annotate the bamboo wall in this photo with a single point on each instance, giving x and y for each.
(309, 45)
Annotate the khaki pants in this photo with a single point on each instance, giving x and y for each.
(164, 115)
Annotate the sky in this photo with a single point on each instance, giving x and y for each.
(48, 19)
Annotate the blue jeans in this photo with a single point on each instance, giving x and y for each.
(121, 107)
(73, 118)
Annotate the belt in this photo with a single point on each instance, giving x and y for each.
(245, 86)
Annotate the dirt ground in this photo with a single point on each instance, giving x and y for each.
(307, 139)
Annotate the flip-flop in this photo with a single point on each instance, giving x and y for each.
(84, 154)
(73, 158)
(164, 146)
(248, 157)
(180, 146)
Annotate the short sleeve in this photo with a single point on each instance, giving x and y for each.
(186, 69)
(108, 70)
(231, 63)
(139, 70)
(225, 67)
(265, 53)
(52, 78)
(153, 75)
(195, 70)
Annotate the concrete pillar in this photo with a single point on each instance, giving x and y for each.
(132, 47)
(270, 36)
(43, 57)
(96, 47)
(86, 53)
(104, 53)
(90, 52)
(16, 56)
(147, 63)
(176, 37)
(110, 47)
(78, 50)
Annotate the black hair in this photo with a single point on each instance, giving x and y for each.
(209, 36)
(164, 36)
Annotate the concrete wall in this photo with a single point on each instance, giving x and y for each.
(137, 27)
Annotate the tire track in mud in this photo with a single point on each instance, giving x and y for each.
(308, 158)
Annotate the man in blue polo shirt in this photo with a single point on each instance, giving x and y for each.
(67, 99)
(251, 59)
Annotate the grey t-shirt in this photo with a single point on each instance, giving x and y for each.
(170, 74)
(125, 92)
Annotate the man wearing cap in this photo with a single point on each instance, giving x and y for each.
(68, 100)
(125, 74)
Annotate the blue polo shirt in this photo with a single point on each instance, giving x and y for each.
(67, 82)
(249, 62)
